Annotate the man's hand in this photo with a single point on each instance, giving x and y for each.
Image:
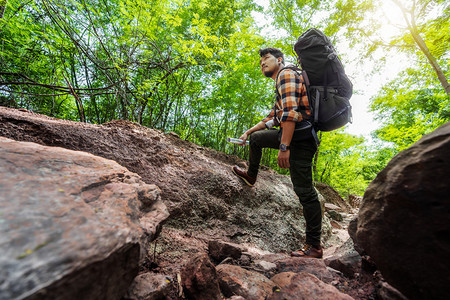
(283, 158)
(260, 126)
(243, 138)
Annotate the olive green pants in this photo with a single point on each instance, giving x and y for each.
(300, 160)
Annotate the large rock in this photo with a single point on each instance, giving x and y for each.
(403, 222)
(71, 224)
(345, 259)
(348, 264)
(304, 286)
(314, 266)
(235, 280)
(199, 279)
(149, 286)
(219, 250)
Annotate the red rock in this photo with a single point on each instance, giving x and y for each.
(265, 265)
(149, 286)
(196, 183)
(305, 286)
(219, 250)
(330, 206)
(348, 263)
(235, 280)
(332, 196)
(314, 266)
(387, 292)
(199, 279)
(283, 279)
(336, 225)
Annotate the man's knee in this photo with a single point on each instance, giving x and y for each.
(256, 137)
(306, 195)
(264, 139)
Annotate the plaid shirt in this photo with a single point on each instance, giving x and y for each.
(292, 101)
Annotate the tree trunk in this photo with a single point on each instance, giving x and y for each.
(423, 47)
(3, 4)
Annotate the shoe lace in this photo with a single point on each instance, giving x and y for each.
(306, 249)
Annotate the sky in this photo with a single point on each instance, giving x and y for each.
(365, 86)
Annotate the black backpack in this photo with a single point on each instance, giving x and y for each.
(329, 88)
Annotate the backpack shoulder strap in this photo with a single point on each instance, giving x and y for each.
(296, 70)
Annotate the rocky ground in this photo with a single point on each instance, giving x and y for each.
(175, 247)
(206, 203)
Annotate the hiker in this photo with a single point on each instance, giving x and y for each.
(291, 107)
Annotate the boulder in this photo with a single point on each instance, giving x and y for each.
(335, 215)
(348, 263)
(282, 279)
(314, 266)
(265, 266)
(219, 250)
(149, 286)
(235, 280)
(305, 286)
(403, 222)
(345, 259)
(330, 206)
(352, 227)
(71, 224)
(199, 279)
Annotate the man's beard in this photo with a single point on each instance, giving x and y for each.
(268, 73)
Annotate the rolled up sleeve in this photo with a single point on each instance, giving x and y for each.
(268, 117)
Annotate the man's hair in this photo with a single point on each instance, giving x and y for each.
(274, 51)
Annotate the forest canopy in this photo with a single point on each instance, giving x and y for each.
(191, 67)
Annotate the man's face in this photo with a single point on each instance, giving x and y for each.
(269, 64)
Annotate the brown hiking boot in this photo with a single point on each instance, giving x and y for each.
(309, 251)
(244, 176)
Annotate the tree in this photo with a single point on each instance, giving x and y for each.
(407, 110)
(422, 30)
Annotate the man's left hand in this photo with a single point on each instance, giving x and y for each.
(283, 159)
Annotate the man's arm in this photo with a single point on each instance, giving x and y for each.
(286, 137)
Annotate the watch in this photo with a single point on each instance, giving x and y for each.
(284, 147)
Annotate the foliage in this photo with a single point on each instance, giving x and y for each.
(407, 110)
(127, 59)
(340, 162)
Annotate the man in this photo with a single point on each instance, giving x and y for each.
(291, 108)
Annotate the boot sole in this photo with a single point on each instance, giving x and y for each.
(245, 180)
(299, 254)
